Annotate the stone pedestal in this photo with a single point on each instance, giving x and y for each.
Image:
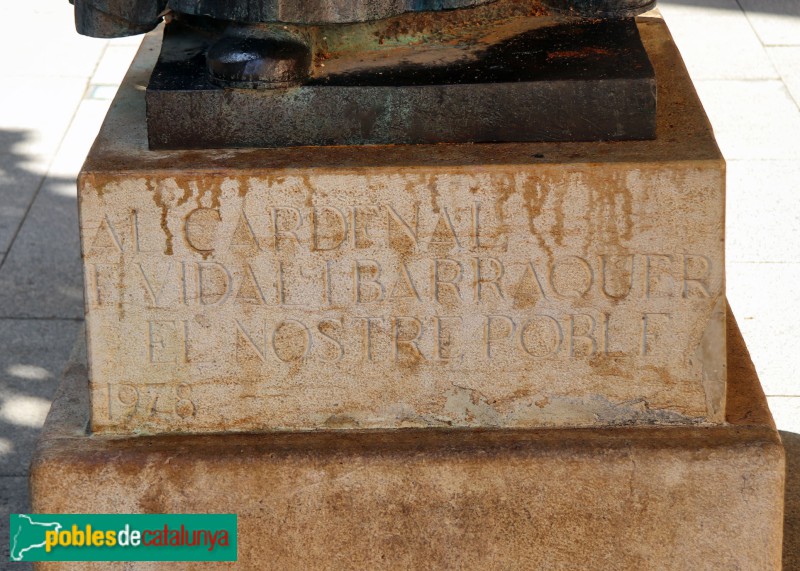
(503, 285)
(448, 356)
(638, 498)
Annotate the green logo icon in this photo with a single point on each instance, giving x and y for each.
(123, 537)
(28, 536)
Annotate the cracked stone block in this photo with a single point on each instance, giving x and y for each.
(494, 285)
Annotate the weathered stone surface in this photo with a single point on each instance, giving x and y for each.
(627, 498)
(791, 525)
(458, 285)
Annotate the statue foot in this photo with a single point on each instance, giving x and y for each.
(261, 60)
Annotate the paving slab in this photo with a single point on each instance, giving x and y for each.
(42, 274)
(787, 62)
(115, 62)
(763, 213)
(758, 293)
(47, 243)
(777, 22)
(34, 353)
(23, 27)
(786, 409)
(716, 40)
(41, 109)
(18, 186)
(752, 119)
(13, 499)
(78, 139)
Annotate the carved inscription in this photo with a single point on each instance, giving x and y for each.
(149, 400)
(269, 283)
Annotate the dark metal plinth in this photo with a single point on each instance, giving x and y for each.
(569, 82)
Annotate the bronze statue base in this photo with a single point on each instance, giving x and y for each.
(536, 80)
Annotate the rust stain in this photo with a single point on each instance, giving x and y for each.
(521, 393)
(582, 53)
(121, 288)
(505, 190)
(242, 185)
(187, 194)
(558, 211)
(200, 187)
(341, 421)
(534, 194)
(158, 198)
(627, 212)
(611, 206)
(611, 365)
(310, 190)
(430, 182)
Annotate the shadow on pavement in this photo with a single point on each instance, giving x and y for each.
(39, 263)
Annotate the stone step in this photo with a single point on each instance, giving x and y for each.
(638, 498)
